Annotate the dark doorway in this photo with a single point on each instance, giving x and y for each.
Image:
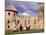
(28, 28)
(20, 28)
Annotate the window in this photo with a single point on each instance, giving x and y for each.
(35, 21)
(25, 21)
(8, 26)
(18, 21)
(9, 13)
(8, 21)
(28, 21)
(38, 20)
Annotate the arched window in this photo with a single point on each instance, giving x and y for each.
(35, 21)
(18, 21)
(25, 21)
(38, 20)
(8, 26)
(28, 21)
(8, 13)
(8, 21)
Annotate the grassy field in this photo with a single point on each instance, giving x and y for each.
(23, 32)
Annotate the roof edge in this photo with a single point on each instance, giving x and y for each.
(12, 11)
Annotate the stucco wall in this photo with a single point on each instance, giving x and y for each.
(12, 24)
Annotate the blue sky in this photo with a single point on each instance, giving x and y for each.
(24, 8)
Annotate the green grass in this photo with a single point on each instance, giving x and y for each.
(22, 32)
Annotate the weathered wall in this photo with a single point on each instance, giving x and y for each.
(12, 19)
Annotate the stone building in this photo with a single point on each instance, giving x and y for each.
(15, 22)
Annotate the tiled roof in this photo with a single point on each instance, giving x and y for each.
(10, 8)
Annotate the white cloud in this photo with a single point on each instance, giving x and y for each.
(25, 14)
